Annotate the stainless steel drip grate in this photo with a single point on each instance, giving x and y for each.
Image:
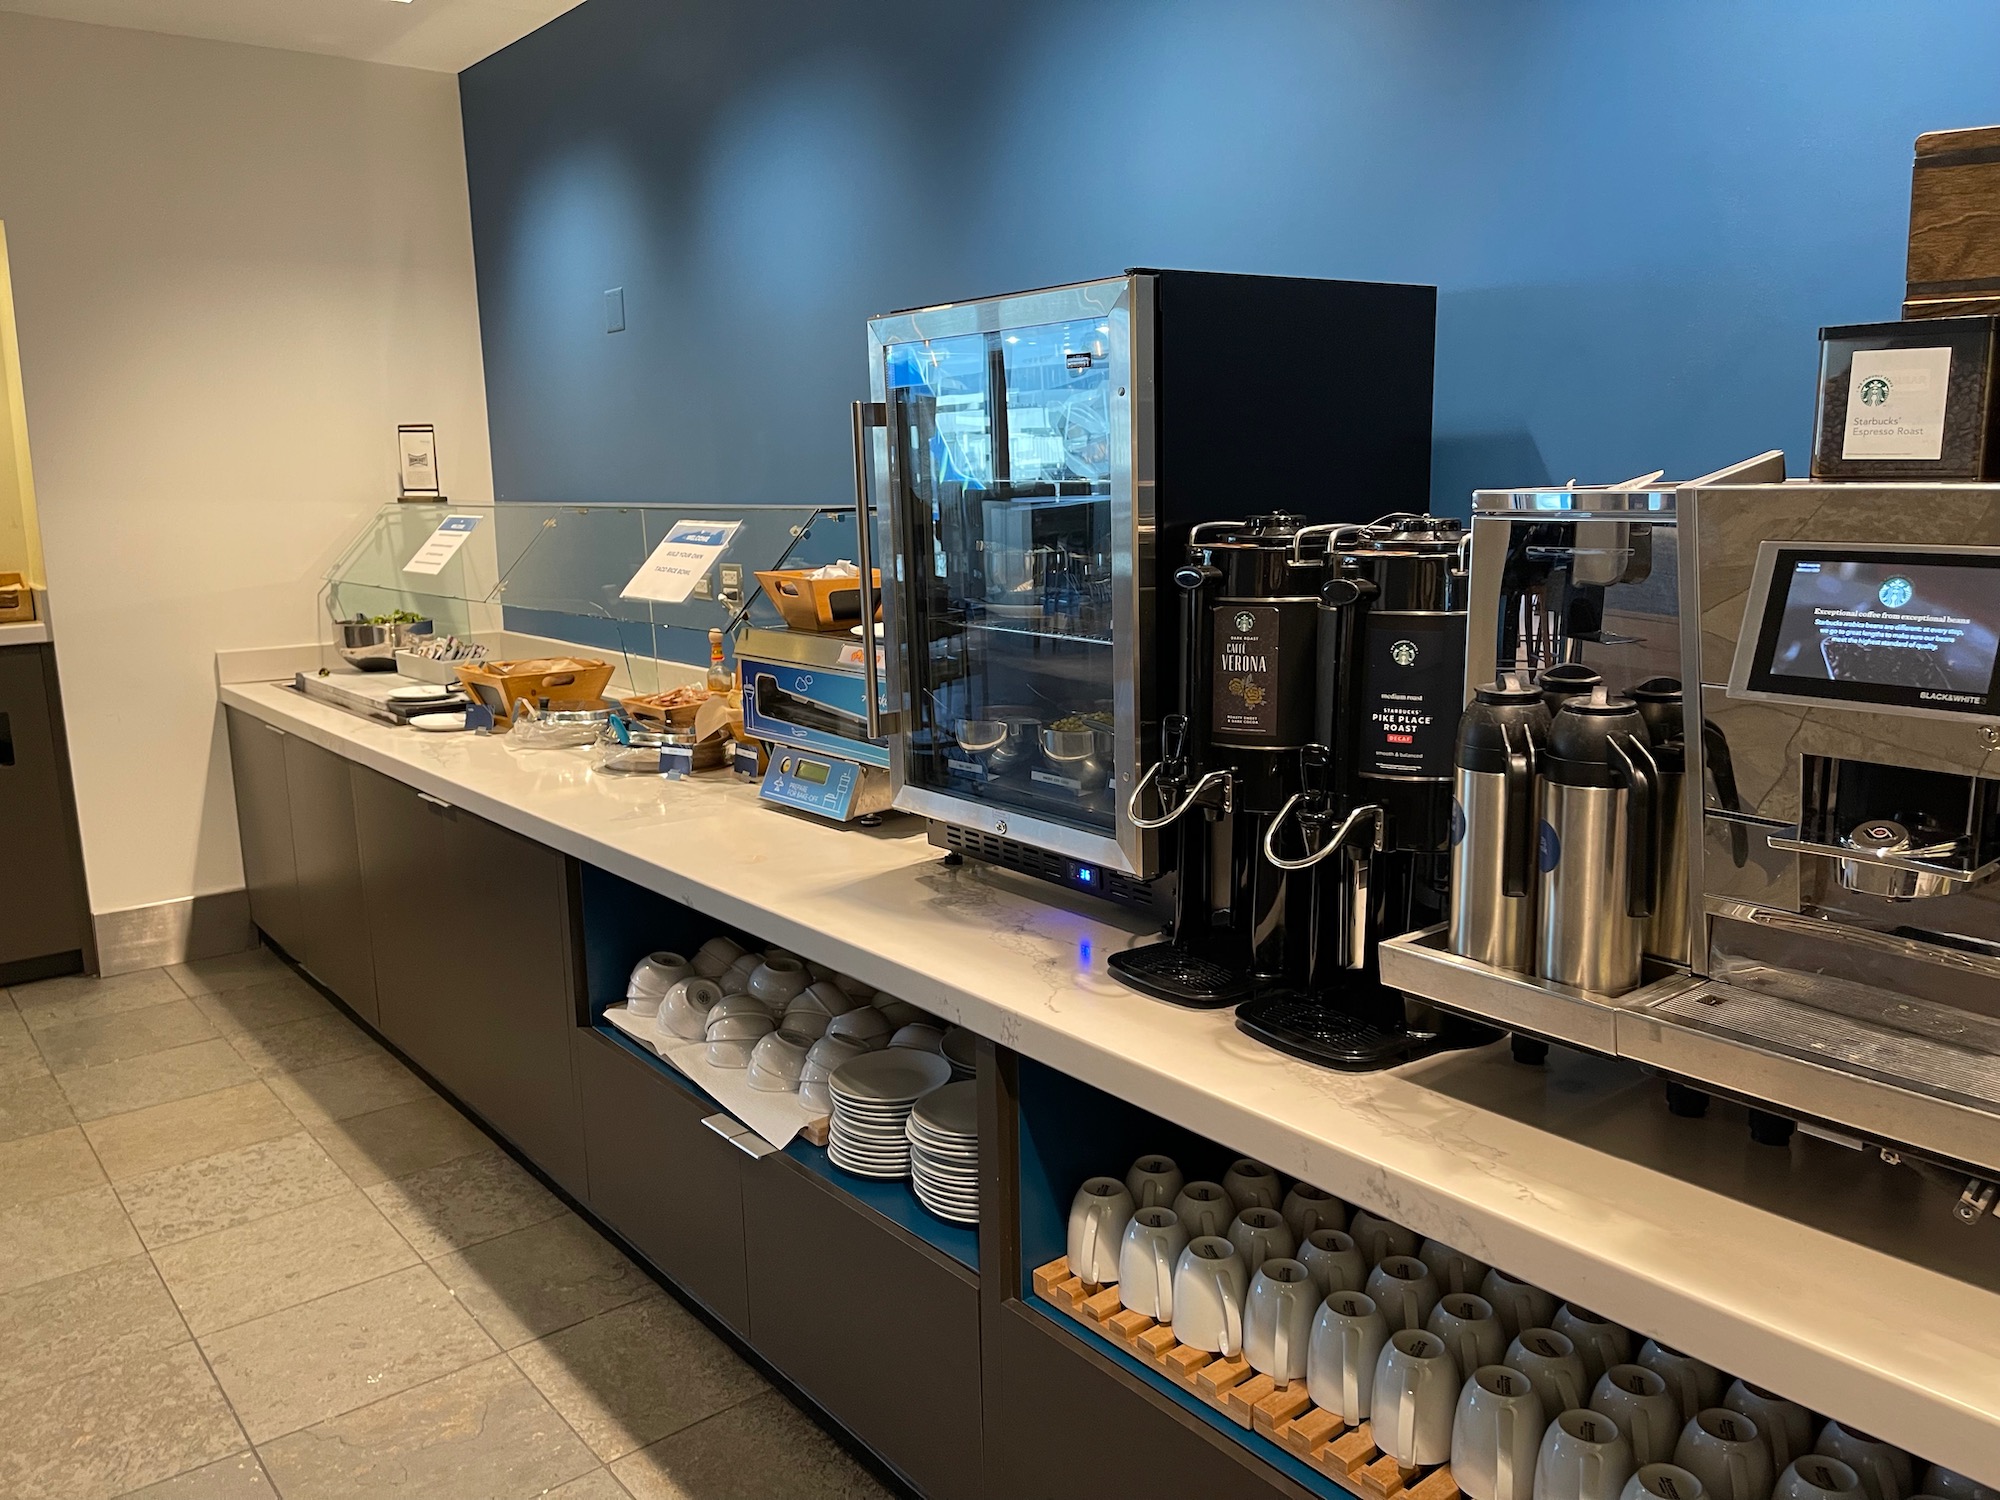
(1840, 1041)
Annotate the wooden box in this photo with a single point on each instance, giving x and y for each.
(1954, 264)
(17, 600)
(818, 604)
(501, 684)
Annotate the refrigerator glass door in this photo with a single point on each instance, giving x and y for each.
(1009, 507)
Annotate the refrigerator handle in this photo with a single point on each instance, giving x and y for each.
(867, 414)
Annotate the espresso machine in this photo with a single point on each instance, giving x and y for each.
(1365, 836)
(1250, 610)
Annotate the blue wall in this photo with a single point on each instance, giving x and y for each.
(1638, 212)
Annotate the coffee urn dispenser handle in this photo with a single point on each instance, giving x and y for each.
(1636, 770)
(1517, 855)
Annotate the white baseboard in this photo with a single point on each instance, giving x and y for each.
(172, 932)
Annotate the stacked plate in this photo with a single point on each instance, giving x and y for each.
(959, 1045)
(872, 1096)
(944, 1152)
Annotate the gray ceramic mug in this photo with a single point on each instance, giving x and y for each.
(1585, 1456)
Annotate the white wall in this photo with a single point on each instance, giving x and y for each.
(235, 270)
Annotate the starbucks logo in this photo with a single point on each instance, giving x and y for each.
(1895, 592)
(1245, 620)
(1404, 653)
(1874, 391)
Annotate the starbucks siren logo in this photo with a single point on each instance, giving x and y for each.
(1874, 391)
(1404, 653)
(1895, 592)
(1245, 621)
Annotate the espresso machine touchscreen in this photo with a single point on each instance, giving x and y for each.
(1895, 629)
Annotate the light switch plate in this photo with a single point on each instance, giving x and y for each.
(614, 309)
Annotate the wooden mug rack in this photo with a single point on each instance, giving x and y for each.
(1283, 1413)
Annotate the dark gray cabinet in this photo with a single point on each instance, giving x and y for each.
(264, 818)
(472, 930)
(662, 1179)
(881, 1332)
(44, 917)
(332, 920)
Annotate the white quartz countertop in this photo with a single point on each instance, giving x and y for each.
(1814, 1271)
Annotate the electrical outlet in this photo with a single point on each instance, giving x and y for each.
(732, 584)
(614, 309)
(701, 590)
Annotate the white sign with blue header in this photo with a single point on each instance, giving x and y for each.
(683, 559)
(443, 545)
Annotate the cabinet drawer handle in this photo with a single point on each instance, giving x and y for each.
(434, 801)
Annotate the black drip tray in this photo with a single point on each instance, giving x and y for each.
(1320, 1033)
(1178, 977)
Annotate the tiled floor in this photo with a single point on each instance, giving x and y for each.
(244, 1252)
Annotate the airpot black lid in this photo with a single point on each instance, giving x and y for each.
(1503, 718)
(1582, 736)
(1660, 702)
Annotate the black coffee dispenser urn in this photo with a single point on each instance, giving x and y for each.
(1250, 607)
(1372, 816)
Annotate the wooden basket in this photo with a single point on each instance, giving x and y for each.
(17, 600)
(501, 684)
(1283, 1413)
(818, 603)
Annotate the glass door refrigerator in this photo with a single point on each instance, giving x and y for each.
(1034, 463)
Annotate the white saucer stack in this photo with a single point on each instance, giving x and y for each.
(944, 1152)
(872, 1096)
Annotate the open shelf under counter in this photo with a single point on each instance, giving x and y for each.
(1811, 1269)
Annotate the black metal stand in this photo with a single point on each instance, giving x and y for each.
(1317, 1031)
(1168, 973)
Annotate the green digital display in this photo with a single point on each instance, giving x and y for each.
(813, 771)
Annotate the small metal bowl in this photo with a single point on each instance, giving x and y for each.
(371, 648)
(977, 736)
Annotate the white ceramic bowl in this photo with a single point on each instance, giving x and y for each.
(806, 1022)
(816, 1096)
(784, 953)
(919, 1036)
(732, 1038)
(734, 981)
(779, 980)
(715, 957)
(746, 965)
(818, 971)
(684, 1012)
(826, 1054)
(642, 1007)
(655, 974)
(852, 986)
(900, 1013)
(827, 998)
(864, 1025)
(778, 1061)
(746, 1006)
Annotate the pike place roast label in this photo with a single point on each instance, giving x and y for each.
(1412, 679)
(1245, 670)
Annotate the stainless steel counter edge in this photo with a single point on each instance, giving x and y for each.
(1580, 1188)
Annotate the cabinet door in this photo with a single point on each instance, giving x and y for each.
(264, 819)
(333, 922)
(517, 942)
(42, 910)
(1064, 1424)
(411, 914)
(874, 1329)
(661, 1178)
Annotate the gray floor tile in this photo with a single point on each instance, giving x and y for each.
(299, 1045)
(78, 997)
(460, 1203)
(70, 1325)
(232, 971)
(238, 1478)
(116, 1429)
(484, 1433)
(273, 1002)
(46, 1166)
(354, 1086)
(229, 1188)
(294, 1368)
(598, 1484)
(158, 1078)
(763, 1447)
(230, 1277)
(19, 1056)
(58, 1235)
(70, 1045)
(628, 1377)
(33, 1106)
(399, 1140)
(145, 1140)
(536, 1280)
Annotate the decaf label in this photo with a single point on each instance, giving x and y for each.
(1895, 403)
(1245, 670)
